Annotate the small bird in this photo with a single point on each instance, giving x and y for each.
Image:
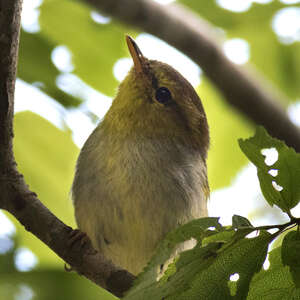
(142, 172)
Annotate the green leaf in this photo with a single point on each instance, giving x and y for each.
(275, 283)
(49, 284)
(197, 229)
(95, 47)
(38, 284)
(239, 221)
(35, 66)
(287, 166)
(46, 156)
(204, 271)
(290, 254)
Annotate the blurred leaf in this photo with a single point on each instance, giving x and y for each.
(225, 158)
(287, 165)
(7, 258)
(276, 283)
(49, 284)
(35, 66)
(95, 47)
(278, 62)
(290, 251)
(46, 156)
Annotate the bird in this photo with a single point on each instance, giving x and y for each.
(142, 172)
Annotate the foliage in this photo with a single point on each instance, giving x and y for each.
(47, 283)
(48, 169)
(287, 193)
(46, 155)
(96, 47)
(226, 259)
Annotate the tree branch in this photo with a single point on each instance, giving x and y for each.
(16, 198)
(247, 92)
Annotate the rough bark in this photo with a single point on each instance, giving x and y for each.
(246, 91)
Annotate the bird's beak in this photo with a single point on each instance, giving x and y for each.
(136, 54)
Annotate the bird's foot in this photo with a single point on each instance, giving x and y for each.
(77, 237)
(79, 241)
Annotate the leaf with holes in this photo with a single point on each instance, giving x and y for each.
(196, 229)
(279, 181)
(288, 166)
(275, 283)
(218, 270)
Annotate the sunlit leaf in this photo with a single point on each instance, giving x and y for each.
(282, 189)
(35, 66)
(46, 156)
(95, 47)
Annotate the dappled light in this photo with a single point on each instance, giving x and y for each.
(62, 58)
(164, 2)
(286, 25)
(25, 259)
(6, 244)
(237, 50)
(235, 6)
(294, 112)
(39, 103)
(290, 1)
(154, 48)
(30, 16)
(121, 68)
(98, 18)
(7, 228)
(24, 292)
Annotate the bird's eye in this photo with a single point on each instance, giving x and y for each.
(163, 95)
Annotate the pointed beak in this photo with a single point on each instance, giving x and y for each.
(136, 54)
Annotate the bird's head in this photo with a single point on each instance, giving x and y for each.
(156, 101)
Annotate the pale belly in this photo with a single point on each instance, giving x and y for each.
(126, 203)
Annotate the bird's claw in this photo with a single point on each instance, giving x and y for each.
(79, 239)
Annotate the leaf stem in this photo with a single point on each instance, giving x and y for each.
(294, 221)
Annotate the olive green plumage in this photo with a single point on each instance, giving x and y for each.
(142, 172)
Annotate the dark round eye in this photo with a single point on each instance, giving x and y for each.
(163, 95)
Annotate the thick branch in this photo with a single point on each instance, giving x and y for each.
(15, 196)
(36, 218)
(9, 42)
(187, 32)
